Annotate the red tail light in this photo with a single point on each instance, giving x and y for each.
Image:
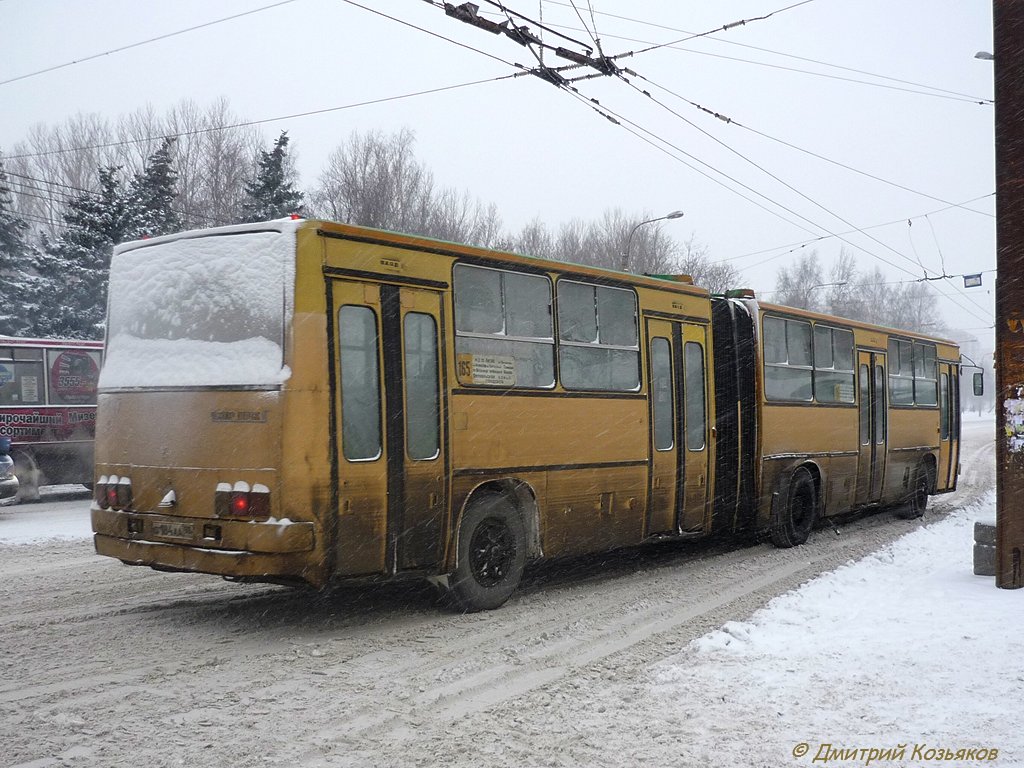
(99, 493)
(241, 500)
(114, 492)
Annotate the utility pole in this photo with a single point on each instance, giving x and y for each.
(1008, 55)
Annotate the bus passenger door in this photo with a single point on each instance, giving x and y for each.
(949, 427)
(389, 404)
(872, 431)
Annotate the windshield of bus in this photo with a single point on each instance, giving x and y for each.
(200, 311)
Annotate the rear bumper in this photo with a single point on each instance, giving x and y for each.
(270, 550)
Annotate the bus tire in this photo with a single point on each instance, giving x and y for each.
(491, 554)
(917, 500)
(28, 477)
(793, 520)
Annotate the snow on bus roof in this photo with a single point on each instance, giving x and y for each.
(276, 225)
(19, 341)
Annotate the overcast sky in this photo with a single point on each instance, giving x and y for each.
(890, 89)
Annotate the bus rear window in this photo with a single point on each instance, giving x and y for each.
(200, 311)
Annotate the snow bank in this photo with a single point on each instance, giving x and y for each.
(906, 646)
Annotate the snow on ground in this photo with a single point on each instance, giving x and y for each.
(32, 523)
(906, 646)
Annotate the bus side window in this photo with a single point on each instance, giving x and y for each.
(833, 365)
(925, 368)
(360, 383)
(598, 338)
(901, 373)
(788, 374)
(693, 390)
(422, 428)
(21, 377)
(865, 406)
(661, 394)
(503, 321)
(944, 407)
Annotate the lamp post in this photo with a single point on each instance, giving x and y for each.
(629, 240)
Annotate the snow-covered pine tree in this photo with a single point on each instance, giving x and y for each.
(76, 264)
(15, 269)
(153, 194)
(71, 292)
(271, 194)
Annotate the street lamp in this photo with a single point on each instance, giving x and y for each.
(629, 240)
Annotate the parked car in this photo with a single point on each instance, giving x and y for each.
(8, 482)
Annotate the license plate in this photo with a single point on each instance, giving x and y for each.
(174, 530)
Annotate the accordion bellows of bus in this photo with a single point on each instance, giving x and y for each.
(302, 401)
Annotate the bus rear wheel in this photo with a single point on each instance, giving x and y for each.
(794, 518)
(491, 554)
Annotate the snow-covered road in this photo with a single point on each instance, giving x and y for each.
(592, 663)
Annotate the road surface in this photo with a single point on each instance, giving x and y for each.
(108, 665)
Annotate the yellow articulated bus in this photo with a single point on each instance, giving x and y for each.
(304, 401)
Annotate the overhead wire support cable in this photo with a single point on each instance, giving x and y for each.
(803, 244)
(933, 92)
(247, 123)
(429, 32)
(731, 121)
(144, 42)
(771, 175)
(469, 13)
(723, 28)
(798, 215)
(727, 41)
(798, 192)
(504, 9)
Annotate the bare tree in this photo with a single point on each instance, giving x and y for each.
(213, 155)
(869, 297)
(215, 159)
(843, 296)
(375, 180)
(795, 286)
(535, 240)
(54, 165)
(717, 277)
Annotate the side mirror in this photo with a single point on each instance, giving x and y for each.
(979, 384)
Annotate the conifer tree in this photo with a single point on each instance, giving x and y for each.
(271, 193)
(71, 294)
(15, 257)
(153, 192)
(76, 264)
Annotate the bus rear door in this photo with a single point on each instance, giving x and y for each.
(949, 427)
(873, 439)
(679, 482)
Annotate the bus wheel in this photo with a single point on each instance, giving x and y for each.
(792, 521)
(491, 554)
(28, 477)
(914, 506)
